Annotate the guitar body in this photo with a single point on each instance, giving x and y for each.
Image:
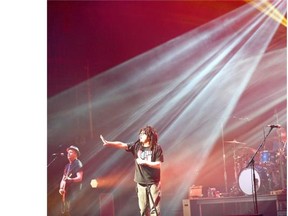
(64, 204)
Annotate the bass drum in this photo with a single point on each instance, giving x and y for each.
(263, 181)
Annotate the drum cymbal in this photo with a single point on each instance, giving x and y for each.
(235, 142)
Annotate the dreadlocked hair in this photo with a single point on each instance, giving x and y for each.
(152, 135)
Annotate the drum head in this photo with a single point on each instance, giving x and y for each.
(246, 181)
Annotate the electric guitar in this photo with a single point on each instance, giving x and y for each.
(63, 204)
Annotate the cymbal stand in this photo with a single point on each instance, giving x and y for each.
(224, 159)
(235, 166)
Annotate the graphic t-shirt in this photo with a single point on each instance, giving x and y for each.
(143, 173)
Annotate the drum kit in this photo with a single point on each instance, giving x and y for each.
(268, 167)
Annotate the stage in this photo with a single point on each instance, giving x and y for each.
(268, 205)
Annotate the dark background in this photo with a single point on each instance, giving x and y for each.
(103, 34)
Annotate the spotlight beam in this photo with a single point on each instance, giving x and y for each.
(269, 9)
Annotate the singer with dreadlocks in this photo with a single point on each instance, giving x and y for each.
(148, 157)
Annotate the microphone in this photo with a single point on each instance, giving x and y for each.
(58, 154)
(274, 126)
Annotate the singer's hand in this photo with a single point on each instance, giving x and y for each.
(103, 140)
(140, 161)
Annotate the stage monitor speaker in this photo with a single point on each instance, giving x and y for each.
(186, 207)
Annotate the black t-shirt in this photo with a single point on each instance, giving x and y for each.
(143, 173)
(71, 171)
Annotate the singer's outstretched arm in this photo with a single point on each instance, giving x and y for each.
(115, 144)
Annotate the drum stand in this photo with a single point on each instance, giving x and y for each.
(255, 183)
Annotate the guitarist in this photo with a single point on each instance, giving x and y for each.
(71, 182)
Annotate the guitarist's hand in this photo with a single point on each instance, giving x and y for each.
(61, 191)
(69, 180)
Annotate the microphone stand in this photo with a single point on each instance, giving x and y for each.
(252, 163)
(56, 156)
(154, 202)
